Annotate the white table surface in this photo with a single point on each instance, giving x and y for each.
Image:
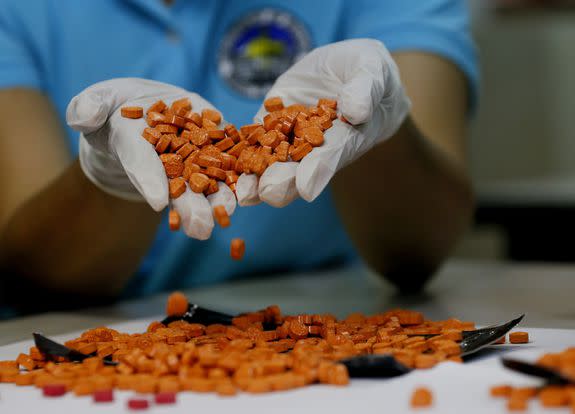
(482, 292)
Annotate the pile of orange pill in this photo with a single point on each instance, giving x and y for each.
(549, 396)
(197, 151)
(180, 356)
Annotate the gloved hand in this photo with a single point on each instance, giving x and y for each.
(116, 158)
(364, 79)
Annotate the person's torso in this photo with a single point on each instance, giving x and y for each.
(227, 51)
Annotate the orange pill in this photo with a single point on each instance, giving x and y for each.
(151, 135)
(163, 143)
(155, 118)
(285, 126)
(177, 187)
(501, 391)
(199, 182)
(421, 398)
(176, 120)
(177, 304)
(195, 118)
(299, 152)
(217, 173)
(209, 125)
(189, 169)
(216, 134)
(330, 103)
(232, 132)
(231, 177)
(199, 137)
(221, 216)
(225, 144)
(297, 330)
(270, 139)
(205, 161)
(183, 104)
(273, 104)
(174, 220)
(132, 112)
(271, 121)
(212, 187)
(282, 151)
(255, 135)
(185, 150)
(237, 249)
(167, 129)
(177, 142)
(26, 362)
(553, 396)
(326, 110)
(517, 404)
(313, 135)
(237, 149)
(246, 130)
(173, 165)
(212, 115)
(158, 106)
(518, 337)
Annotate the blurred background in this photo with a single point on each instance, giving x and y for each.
(522, 141)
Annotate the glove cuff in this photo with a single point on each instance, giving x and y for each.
(106, 173)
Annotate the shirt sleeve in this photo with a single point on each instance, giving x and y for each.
(440, 27)
(18, 65)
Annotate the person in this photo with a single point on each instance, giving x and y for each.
(76, 230)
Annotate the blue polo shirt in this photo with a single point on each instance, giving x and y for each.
(229, 52)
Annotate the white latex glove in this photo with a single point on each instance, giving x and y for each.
(116, 158)
(364, 79)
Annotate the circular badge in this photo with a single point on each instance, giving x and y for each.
(260, 47)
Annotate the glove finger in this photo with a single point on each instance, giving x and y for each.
(277, 186)
(343, 143)
(88, 111)
(140, 161)
(359, 96)
(196, 214)
(223, 197)
(247, 190)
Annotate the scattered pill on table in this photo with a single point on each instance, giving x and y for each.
(54, 390)
(138, 404)
(518, 337)
(500, 391)
(103, 396)
(165, 398)
(517, 404)
(421, 398)
(262, 351)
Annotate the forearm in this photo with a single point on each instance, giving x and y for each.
(73, 238)
(404, 204)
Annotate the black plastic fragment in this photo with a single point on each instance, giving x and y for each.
(486, 336)
(374, 366)
(197, 314)
(527, 368)
(53, 349)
